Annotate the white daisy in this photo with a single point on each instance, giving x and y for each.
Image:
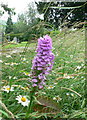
(50, 87)
(23, 100)
(57, 98)
(78, 67)
(14, 77)
(8, 88)
(8, 56)
(15, 51)
(68, 77)
(7, 63)
(13, 64)
(23, 59)
(43, 93)
(9, 77)
(67, 94)
(26, 73)
(55, 83)
(71, 56)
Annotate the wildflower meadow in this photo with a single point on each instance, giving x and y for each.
(45, 80)
(43, 59)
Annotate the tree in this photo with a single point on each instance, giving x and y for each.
(7, 9)
(21, 25)
(9, 26)
(25, 23)
(10, 11)
(54, 14)
(28, 25)
(31, 13)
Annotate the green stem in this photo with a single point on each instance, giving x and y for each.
(29, 110)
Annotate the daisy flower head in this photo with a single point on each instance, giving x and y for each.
(8, 88)
(78, 68)
(14, 77)
(8, 56)
(50, 87)
(57, 98)
(9, 77)
(72, 94)
(23, 59)
(26, 73)
(12, 64)
(71, 56)
(23, 100)
(7, 63)
(67, 94)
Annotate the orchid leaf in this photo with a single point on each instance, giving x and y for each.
(48, 102)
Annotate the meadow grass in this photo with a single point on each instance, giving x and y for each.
(14, 45)
(64, 85)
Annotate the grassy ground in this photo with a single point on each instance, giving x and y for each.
(15, 45)
(64, 91)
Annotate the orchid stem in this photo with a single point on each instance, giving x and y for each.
(29, 110)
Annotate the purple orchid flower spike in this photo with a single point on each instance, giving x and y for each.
(43, 61)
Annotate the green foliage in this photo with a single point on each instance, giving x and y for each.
(31, 13)
(68, 72)
(53, 33)
(31, 31)
(9, 26)
(30, 25)
(57, 13)
(10, 45)
(36, 30)
(10, 11)
(4, 113)
(12, 35)
(19, 27)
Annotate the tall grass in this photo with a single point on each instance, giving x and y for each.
(64, 86)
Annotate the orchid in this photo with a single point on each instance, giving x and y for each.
(42, 65)
(42, 62)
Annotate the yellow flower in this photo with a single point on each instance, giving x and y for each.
(23, 100)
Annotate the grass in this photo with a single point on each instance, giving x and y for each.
(66, 81)
(15, 45)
